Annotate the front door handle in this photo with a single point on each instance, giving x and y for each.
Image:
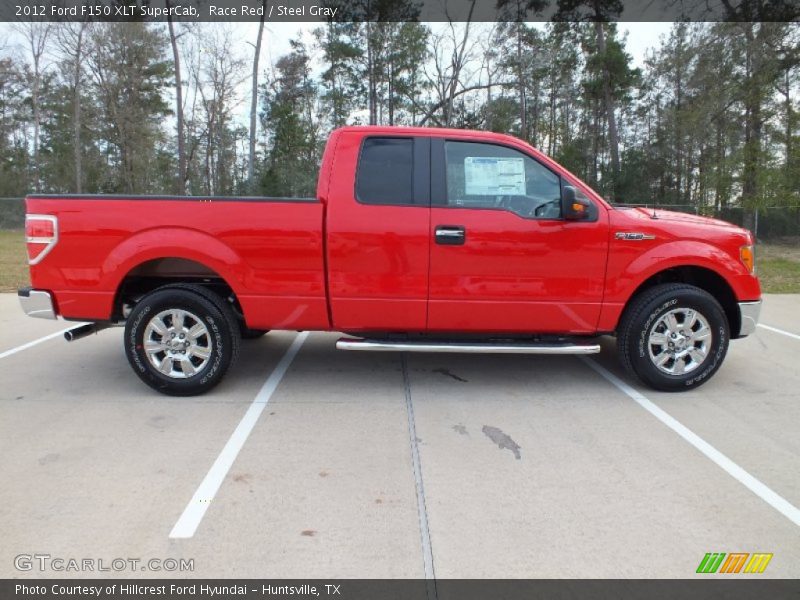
(450, 235)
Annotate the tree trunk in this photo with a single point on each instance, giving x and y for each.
(535, 117)
(678, 129)
(36, 49)
(178, 105)
(76, 112)
(523, 100)
(551, 136)
(789, 124)
(753, 122)
(613, 138)
(251, 161)
(373, 109)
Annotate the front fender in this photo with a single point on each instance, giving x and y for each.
(176, 242)
(677, 253)
(629, 267)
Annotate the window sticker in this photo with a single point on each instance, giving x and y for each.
(492, 176)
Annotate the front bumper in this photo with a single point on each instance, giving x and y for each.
(748, 317)
(37, 303)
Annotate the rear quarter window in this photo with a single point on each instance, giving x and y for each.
(386, 171)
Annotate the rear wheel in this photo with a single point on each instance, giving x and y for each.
(673, 337)
(180, 340)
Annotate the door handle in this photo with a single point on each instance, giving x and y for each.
(450, 235)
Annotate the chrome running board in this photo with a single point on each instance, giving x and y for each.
(465, 347)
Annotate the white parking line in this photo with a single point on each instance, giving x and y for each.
(781, 331)
(768, 495)
(422, 511)
(39, 341)
(193, 513)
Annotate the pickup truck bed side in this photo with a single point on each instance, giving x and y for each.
(269, 251)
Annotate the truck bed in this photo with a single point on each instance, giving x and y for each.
(269, 251)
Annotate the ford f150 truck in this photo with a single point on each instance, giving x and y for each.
(419, 239)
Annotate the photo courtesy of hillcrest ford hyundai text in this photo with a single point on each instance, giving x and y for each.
(418, 240)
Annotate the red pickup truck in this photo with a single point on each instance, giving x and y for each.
(419, 239)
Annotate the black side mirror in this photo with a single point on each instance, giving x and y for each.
(573, 208)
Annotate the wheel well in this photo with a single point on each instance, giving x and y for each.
(156, 273)
(705, 279)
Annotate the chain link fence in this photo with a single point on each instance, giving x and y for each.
(12, 213)
(770, 223)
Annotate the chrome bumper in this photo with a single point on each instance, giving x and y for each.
(748, 313)
(36, 303)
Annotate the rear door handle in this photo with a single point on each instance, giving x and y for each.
(450, 235)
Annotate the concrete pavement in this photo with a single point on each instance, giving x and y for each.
(527, 466)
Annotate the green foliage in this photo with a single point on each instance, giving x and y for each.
(289, 120)
(342, 87)
(130, 74)
(14, 157)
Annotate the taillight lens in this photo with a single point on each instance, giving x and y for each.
(41, 234)
(747, 256)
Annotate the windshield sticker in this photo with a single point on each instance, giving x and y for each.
(488, 176)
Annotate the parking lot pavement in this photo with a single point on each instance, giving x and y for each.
(527, 466)
(324, 484)
(782, 311)
(597, 477)
(16, 329)
(100, 464)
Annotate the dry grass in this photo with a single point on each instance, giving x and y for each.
(13, 261)
(778, 265)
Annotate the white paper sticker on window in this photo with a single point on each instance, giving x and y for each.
(489, 176)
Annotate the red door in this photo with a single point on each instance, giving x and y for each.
(502, 258)
(377, 233)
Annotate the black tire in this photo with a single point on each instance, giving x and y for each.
(643, 317)
(251, 334)
(219, 344)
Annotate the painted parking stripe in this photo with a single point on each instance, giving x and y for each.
(422, 511)
(781, 331)
(767, 494)
(39, 341)
(193, 513)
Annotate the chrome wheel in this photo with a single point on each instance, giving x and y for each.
(680, 341)
(177, 343)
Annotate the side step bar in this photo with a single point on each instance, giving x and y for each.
(468, 347)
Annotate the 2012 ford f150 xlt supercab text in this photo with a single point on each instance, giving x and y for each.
(418, 240)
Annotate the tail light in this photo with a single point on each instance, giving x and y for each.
(41, 234)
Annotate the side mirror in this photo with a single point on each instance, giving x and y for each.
(573, 208)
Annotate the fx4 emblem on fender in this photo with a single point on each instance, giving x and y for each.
(633, 235)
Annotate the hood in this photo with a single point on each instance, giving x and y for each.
(685, 218)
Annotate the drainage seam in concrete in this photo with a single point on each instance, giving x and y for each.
(422, 512)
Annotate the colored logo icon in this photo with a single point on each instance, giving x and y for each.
(736, 562)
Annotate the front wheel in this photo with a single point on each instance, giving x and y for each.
(180, 340)
(673, 337)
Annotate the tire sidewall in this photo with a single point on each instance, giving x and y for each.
(211, 317)
(718, 323)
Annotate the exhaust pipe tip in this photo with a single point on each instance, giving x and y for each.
(82, 331)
